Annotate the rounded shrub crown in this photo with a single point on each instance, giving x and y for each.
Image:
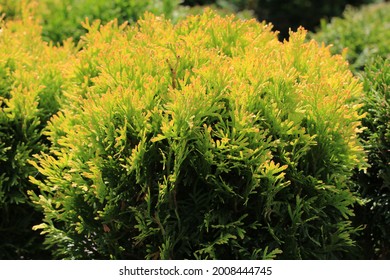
(207, 139)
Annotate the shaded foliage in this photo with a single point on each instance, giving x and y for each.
(374, 185)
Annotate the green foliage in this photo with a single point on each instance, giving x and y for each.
(61, 19)
(31, 82)
(208, 139)
(364, 32)
(375, 183)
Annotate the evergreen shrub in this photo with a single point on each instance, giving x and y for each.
(208, 139)
(31, 80)
(364, 32)
(375, 183)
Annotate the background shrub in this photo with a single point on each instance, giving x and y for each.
(31, 79)
(208, 139)
(374, 185)
(364, 32)
(61, 19)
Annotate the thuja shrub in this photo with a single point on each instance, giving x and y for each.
(61, 19)
(31, 79)
(375, 183)
(208, 139)
(364, 32)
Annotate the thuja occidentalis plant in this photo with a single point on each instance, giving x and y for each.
(207, 139)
